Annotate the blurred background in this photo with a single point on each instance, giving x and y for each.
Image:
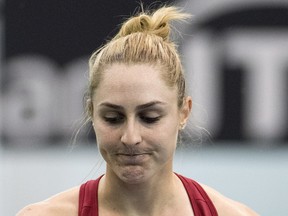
(235, 54)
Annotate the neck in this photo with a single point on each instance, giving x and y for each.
(146, 198)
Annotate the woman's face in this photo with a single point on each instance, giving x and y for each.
(136, 121)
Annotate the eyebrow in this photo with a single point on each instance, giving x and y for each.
(140, 107)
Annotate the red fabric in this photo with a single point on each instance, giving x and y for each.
(201, 203)
(88, 198)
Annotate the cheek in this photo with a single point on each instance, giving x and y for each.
(166, 134)
(104, 136)
(105, 142)
(171, 127)
(170, 134)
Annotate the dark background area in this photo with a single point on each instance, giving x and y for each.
(64, 30)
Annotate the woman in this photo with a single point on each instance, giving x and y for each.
(137, 105)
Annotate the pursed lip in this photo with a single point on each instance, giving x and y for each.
(133, 158)
(133, 154)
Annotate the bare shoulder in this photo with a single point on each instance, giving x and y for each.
(226, 206)
(65, 203)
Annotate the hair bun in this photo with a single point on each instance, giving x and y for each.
(157, 23)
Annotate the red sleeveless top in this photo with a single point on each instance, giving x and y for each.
(200, 202)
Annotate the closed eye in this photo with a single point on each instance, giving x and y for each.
(114, 119)
(150, 120)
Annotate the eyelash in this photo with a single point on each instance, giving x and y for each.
(120, 118)
(114, 120)
(150, 120)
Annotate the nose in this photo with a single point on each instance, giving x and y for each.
(131, 133)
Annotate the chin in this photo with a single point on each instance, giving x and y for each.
(133, 175)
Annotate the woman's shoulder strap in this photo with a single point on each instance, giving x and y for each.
(88, 198)
(199, 199)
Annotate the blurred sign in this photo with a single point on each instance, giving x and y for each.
(237, 62)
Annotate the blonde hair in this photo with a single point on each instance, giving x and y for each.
(142, 39)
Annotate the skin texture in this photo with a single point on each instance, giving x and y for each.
(132, 106)
(136, 120)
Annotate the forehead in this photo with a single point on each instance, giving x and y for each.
(140, 82)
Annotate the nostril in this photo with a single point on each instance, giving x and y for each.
(131, 138)
(131, 134)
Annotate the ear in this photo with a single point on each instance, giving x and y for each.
(185, 111)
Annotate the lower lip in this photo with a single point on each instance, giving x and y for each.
(133, 159)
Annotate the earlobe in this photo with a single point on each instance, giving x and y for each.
(182, 126)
